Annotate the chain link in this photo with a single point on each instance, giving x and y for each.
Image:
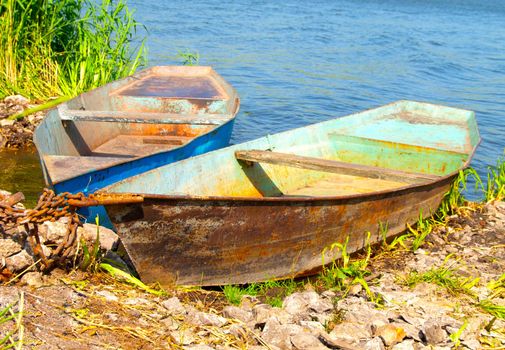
(50, 207)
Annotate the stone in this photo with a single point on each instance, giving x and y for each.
(33, 279)
(350, 332)
(8, 247)
(19, 262)
(333, 343)
(280, 335)
(390, 334)
(295, 304)
(355, 289)
(112, 316)
(45, 249)
(261, 313)
(300, 302)
(198, 347)
(237, 330)
(109, 296)
(173, 306)
(237, 313)
(472, 344)
(329, 294)
(199, 318)
(313, 327)
(248, 302)
(136, 301)
(303, 341)
(412, 332)
(183, 336)
(169, 323)
(404, 345)
(108, 238)
(376, 323)
(16, 100)
(433, 332)
(281, 315)
(7, 122)
(53, 232)
(374, 344)
(321, 305)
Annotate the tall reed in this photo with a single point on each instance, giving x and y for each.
(64, 47)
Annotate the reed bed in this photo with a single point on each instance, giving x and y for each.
(54, 48)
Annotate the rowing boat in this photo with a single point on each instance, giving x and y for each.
(152, 118)
(268, 208)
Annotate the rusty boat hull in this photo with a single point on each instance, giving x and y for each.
(271, 207)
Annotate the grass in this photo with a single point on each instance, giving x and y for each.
(495, 187)
(497, 287)
(341, 274)
(62, 48)
(14, 338)
(422, 229)
(189, 58)
(454, 200)
(455, 337)
(234, 293)
(491, 308)
(444, 276)
(271, 292)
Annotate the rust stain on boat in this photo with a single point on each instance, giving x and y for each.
(219, 242)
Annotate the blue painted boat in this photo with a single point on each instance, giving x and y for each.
(153, 118)
(272, 207)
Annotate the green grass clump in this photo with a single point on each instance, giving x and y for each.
(341, 274)
(64, 47)
(271, 292)
(491, 308)
(445, 277)
(234, 293)
(495, 188)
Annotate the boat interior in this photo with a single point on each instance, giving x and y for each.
(157, 110)
(399, 145)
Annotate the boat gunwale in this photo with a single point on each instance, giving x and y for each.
(290, 199)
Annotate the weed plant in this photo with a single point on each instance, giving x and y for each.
(64, 47)
(273, 292)
(341, 274)
(189, 58)
(495, 187)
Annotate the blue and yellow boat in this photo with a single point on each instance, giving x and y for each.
(153, 118)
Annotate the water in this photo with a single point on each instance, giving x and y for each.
(298, 62)
(20, 171)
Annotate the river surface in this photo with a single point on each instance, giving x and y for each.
(299, 62)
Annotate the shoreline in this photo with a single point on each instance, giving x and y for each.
(448, 293)
(17, 134)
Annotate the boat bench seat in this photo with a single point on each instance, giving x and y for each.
(333, 166)
(143, 117)
(66, 167)
(138, 145)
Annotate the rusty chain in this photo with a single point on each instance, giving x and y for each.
(50, 207)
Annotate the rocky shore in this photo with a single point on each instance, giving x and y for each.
(17, 134)
(448, 294)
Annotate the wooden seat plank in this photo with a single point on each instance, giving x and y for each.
(333, 166)
(65, 167)
(143, 117)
